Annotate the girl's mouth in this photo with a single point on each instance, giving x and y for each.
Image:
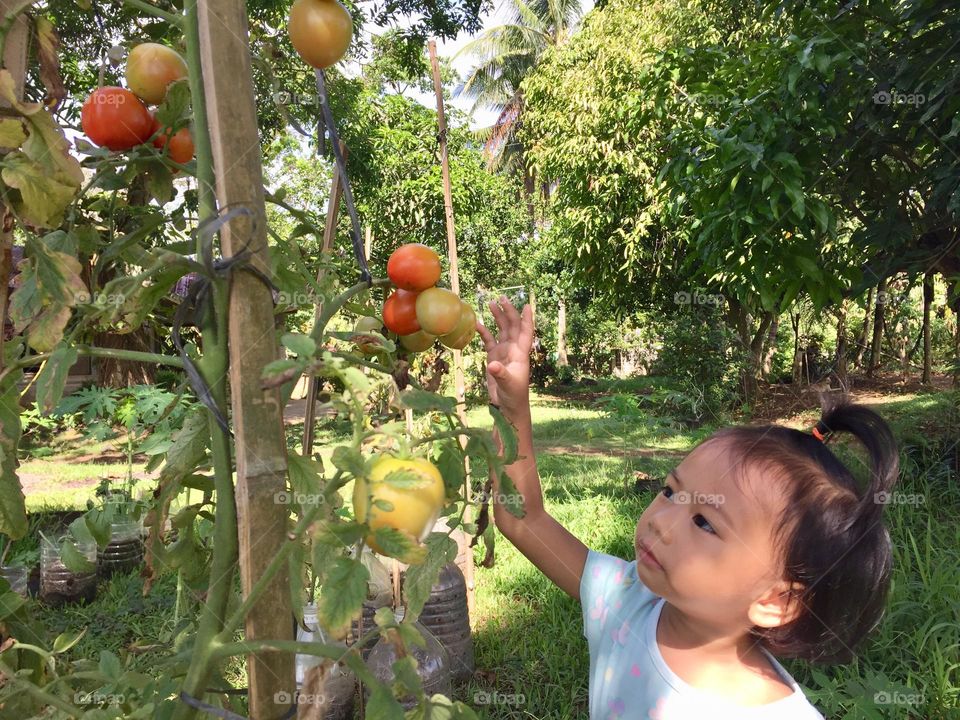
(646, 557)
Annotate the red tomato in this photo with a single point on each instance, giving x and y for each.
(114, 118)
(151, 67)
(438, 311)
(180, 148)
(414, 267)
(400, 312)
(320, 31)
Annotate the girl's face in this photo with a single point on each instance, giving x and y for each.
(706, 545)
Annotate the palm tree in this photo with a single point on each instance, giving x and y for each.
(504, 56)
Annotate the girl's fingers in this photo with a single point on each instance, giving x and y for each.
(501, 319)
(485, 336)
(526, 327)
(512, 317)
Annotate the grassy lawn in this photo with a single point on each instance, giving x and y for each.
(528, 634)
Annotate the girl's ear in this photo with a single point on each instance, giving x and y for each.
(779, 605)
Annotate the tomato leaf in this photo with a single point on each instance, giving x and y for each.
(74, 560)
(383, 706)
(406, 479)
(12, 134)
(67, 640)
(449, 462)
(401, 545)
(508, 435)
(510, 497)
(10, 602)
(405, 673)
(344, 590)
(420, 579)
(52, 378)
(348, 459)
(423, 401)
(303, 346)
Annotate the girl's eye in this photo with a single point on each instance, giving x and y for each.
(701, 522)
(667, 491)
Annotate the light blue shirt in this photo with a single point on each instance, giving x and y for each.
(629, 678)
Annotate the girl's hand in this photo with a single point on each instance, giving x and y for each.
(508, 356)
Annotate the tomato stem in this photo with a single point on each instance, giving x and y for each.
(150, 9)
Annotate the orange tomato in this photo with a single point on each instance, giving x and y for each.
(151, 67)
(320, 31)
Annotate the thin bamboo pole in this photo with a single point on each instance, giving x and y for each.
(454, 285)
(329, 234)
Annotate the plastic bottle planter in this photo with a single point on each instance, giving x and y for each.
(433, 664)
(446, 615)
(58, 585)
(329, 698)
(16, 575)
(124, 552)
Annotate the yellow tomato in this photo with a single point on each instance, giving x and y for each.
(463, 333)
(414, 507)
(320, 31)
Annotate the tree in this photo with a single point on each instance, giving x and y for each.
(505, 55)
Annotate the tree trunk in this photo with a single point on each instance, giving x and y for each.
(877, 328)
(771, 348)
(865, 332)
(927, 303)
(840, 359)
(529, 188)
(795, 322)
(562, 360)
(752, 342)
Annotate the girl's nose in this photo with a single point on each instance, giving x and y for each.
(660, 524)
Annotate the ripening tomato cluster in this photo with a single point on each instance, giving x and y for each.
(418, 311)
(118, 118)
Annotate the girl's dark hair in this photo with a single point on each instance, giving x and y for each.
(831, 531)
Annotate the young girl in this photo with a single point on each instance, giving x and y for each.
(760, 543)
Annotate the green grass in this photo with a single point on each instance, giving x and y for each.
(528, 634)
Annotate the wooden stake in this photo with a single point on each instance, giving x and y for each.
(261, 463)
(454, 285)
(329, 235)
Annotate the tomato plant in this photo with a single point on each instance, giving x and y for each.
(320, 31)
(438, 310)
(400, 312)
(466, 328)
(179, 147)
(405, 495)
(362, 330)
(151, 67)
(114, 117)
(414, 267)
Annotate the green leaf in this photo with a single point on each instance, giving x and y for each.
(450, 463)
(110, 665)
(344, 590)
(53, 377)
(508, 435)
(278, 367)
(383, 706)
(67, 640)
(442, 708)
(98, 524)
(10, 602)
(510, 497)
(42, 198)
(419, 579)
(399, 544)
(305, 474)
(12, 134)
(405, 673)
(423, 401)
(74, 560)
(175, 104)
(303, 346)
(348, 459)
(407, 479)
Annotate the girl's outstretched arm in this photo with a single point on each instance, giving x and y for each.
(543, 540)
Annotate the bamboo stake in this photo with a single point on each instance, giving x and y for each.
(329, 235)
(455, 286)
(261, 464)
